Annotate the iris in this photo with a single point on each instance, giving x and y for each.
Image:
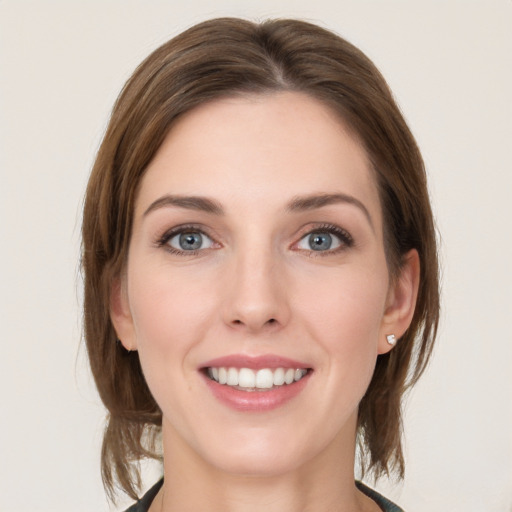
(320, 241)
(190, 241)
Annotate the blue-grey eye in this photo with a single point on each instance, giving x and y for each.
(319, 241)
(190, 241)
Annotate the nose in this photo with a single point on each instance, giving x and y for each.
(256, 293)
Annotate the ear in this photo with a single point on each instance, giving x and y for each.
(401, 301)
(121, 316)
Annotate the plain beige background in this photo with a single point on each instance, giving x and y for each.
(61, 66)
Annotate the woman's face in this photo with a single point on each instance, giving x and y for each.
(256, 290)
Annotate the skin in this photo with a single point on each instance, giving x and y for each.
(255, 288)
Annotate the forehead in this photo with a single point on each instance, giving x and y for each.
(264, 148)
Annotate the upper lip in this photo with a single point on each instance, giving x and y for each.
(254, 362)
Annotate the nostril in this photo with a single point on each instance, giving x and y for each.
(254, 324)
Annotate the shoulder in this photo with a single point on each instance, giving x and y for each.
(384, 503)
(144, 503)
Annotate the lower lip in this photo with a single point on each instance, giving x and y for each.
(256, 401)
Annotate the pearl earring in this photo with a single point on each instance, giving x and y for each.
(391, 339)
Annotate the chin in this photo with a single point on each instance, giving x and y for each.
(261, 454)
(258, 465)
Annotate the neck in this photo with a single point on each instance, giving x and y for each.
(324, 483)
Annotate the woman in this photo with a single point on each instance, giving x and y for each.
(261, 280)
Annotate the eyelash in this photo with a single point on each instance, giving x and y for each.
(163, 241)
(344, 236)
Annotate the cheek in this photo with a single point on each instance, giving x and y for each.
(170, 310)
(346, 318)
(171, 314)
(348, 302)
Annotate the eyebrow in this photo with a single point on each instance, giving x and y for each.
(314, 201)
(297, 204)
(201, 204)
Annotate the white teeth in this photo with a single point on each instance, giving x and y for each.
(232, 377)
(279, 377)
(264, 379)
(246, 378)
(298, 375)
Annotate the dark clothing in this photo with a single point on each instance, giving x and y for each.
(144, 503)
(383, 503)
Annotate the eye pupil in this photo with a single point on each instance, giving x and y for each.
(320, 241)
(190, 241)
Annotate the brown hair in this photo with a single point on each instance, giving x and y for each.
(224, 57)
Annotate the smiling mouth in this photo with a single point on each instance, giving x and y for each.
(264, 379)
